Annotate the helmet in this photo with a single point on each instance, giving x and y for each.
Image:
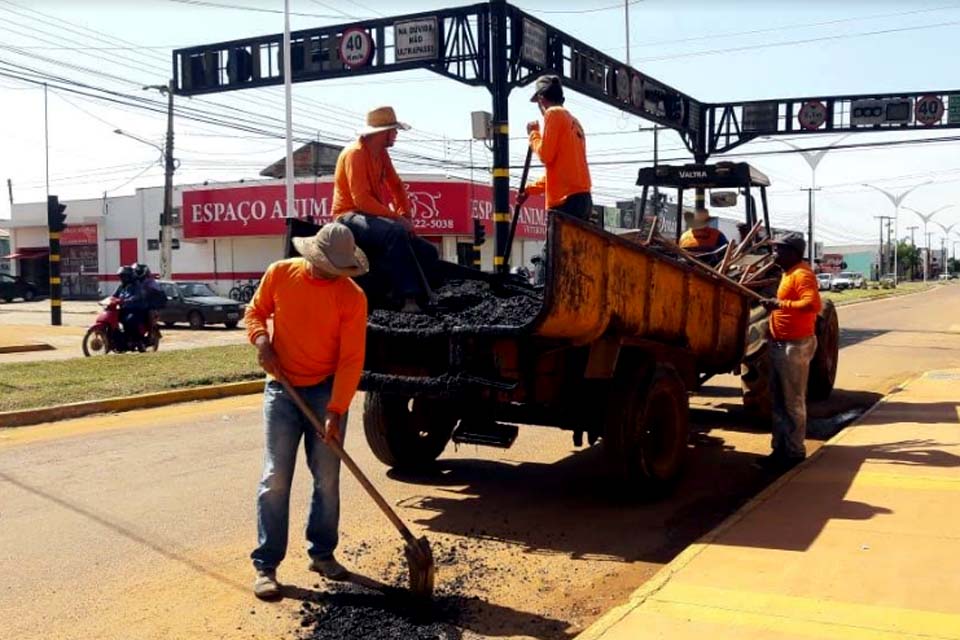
(140, 271)
(126, 275)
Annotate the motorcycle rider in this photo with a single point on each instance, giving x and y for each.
(134, 310)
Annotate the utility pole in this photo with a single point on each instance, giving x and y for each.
(892, 248)
(169, 166)
(881, 263)
(10, 191)
(911, 230)
(626, 25)
(811, 250)
(813, 159)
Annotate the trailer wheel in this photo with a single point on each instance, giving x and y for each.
(647, 429)
(755, 367)
(823, 367)
(406, 433)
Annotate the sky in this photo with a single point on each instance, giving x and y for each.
(719, 50)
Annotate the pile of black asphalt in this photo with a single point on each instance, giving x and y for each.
(462, 305)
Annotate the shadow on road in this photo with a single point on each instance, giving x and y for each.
(570, 506)
(823, 490)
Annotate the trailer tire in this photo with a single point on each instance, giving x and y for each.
(647, 429)
(823, 366)
(755, 367)
(406, 433)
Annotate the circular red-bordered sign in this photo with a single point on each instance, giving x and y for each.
(929, 109)
(812, 115)
(356, 48)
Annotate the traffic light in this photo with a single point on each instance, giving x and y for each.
(56, 218)
(479, 233)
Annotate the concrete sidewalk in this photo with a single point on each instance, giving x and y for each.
(860, 542)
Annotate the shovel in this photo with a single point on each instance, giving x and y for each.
(419, 556)
(516, 209)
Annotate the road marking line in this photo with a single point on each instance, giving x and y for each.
(815, 617)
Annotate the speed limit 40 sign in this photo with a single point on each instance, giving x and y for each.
(356, 48)
(929, 109)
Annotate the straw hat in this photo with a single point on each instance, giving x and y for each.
(333, 251)
(701, 219)
(382, 119)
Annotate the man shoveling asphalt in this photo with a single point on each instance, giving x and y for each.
(319, 334)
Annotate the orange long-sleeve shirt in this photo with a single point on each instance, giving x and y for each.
(799, 297)
(563, 150)
(705, 239)
(359, 180)
(319, 327)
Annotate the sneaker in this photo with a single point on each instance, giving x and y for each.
(329, 568)
(266, 586)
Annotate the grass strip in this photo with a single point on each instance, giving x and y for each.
(48, 383)
(850, 296)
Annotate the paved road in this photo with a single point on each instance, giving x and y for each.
(139, 525)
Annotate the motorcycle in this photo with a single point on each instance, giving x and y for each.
(107, 334)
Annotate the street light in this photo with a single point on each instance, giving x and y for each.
(895, 200)
(943, 244)
(813, 159)
(926, 217)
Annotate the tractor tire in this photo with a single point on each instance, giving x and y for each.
(755, 367)
(823, 367)
(647, 430)
(405, 433)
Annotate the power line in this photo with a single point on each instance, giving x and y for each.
(731, 34)
(795, 42)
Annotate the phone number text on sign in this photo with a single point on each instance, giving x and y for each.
(433, 225)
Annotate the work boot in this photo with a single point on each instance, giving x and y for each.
(266, 586)
(329, 568)
(777, 463)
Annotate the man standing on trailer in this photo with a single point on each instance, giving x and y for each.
(562, 147)
(793, 343)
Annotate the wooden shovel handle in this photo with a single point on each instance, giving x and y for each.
(347, 460)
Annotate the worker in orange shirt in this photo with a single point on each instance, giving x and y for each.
(702, 240)
(319, 332)
(562, 147)
(793, 321)
(382, 227)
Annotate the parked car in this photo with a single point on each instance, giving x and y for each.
(848, 280)
(197, 304)
(944, 276)
(12, 287)
(824, 279)
(887, 281)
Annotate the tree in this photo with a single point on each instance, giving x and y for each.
(953, 265)
(908, 257)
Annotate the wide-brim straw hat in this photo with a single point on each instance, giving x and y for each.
(701, 219)
(382, 119)
(333, 251)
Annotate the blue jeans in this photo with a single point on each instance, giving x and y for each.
(284, 425)
(394, 253)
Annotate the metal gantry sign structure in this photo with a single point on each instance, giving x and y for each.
(500, 47)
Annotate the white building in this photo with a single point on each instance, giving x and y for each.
(229, 233)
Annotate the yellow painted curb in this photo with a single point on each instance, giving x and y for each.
(23, 348)
(77, 409)
(660, 579)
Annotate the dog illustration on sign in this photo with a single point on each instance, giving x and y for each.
(425, 205)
